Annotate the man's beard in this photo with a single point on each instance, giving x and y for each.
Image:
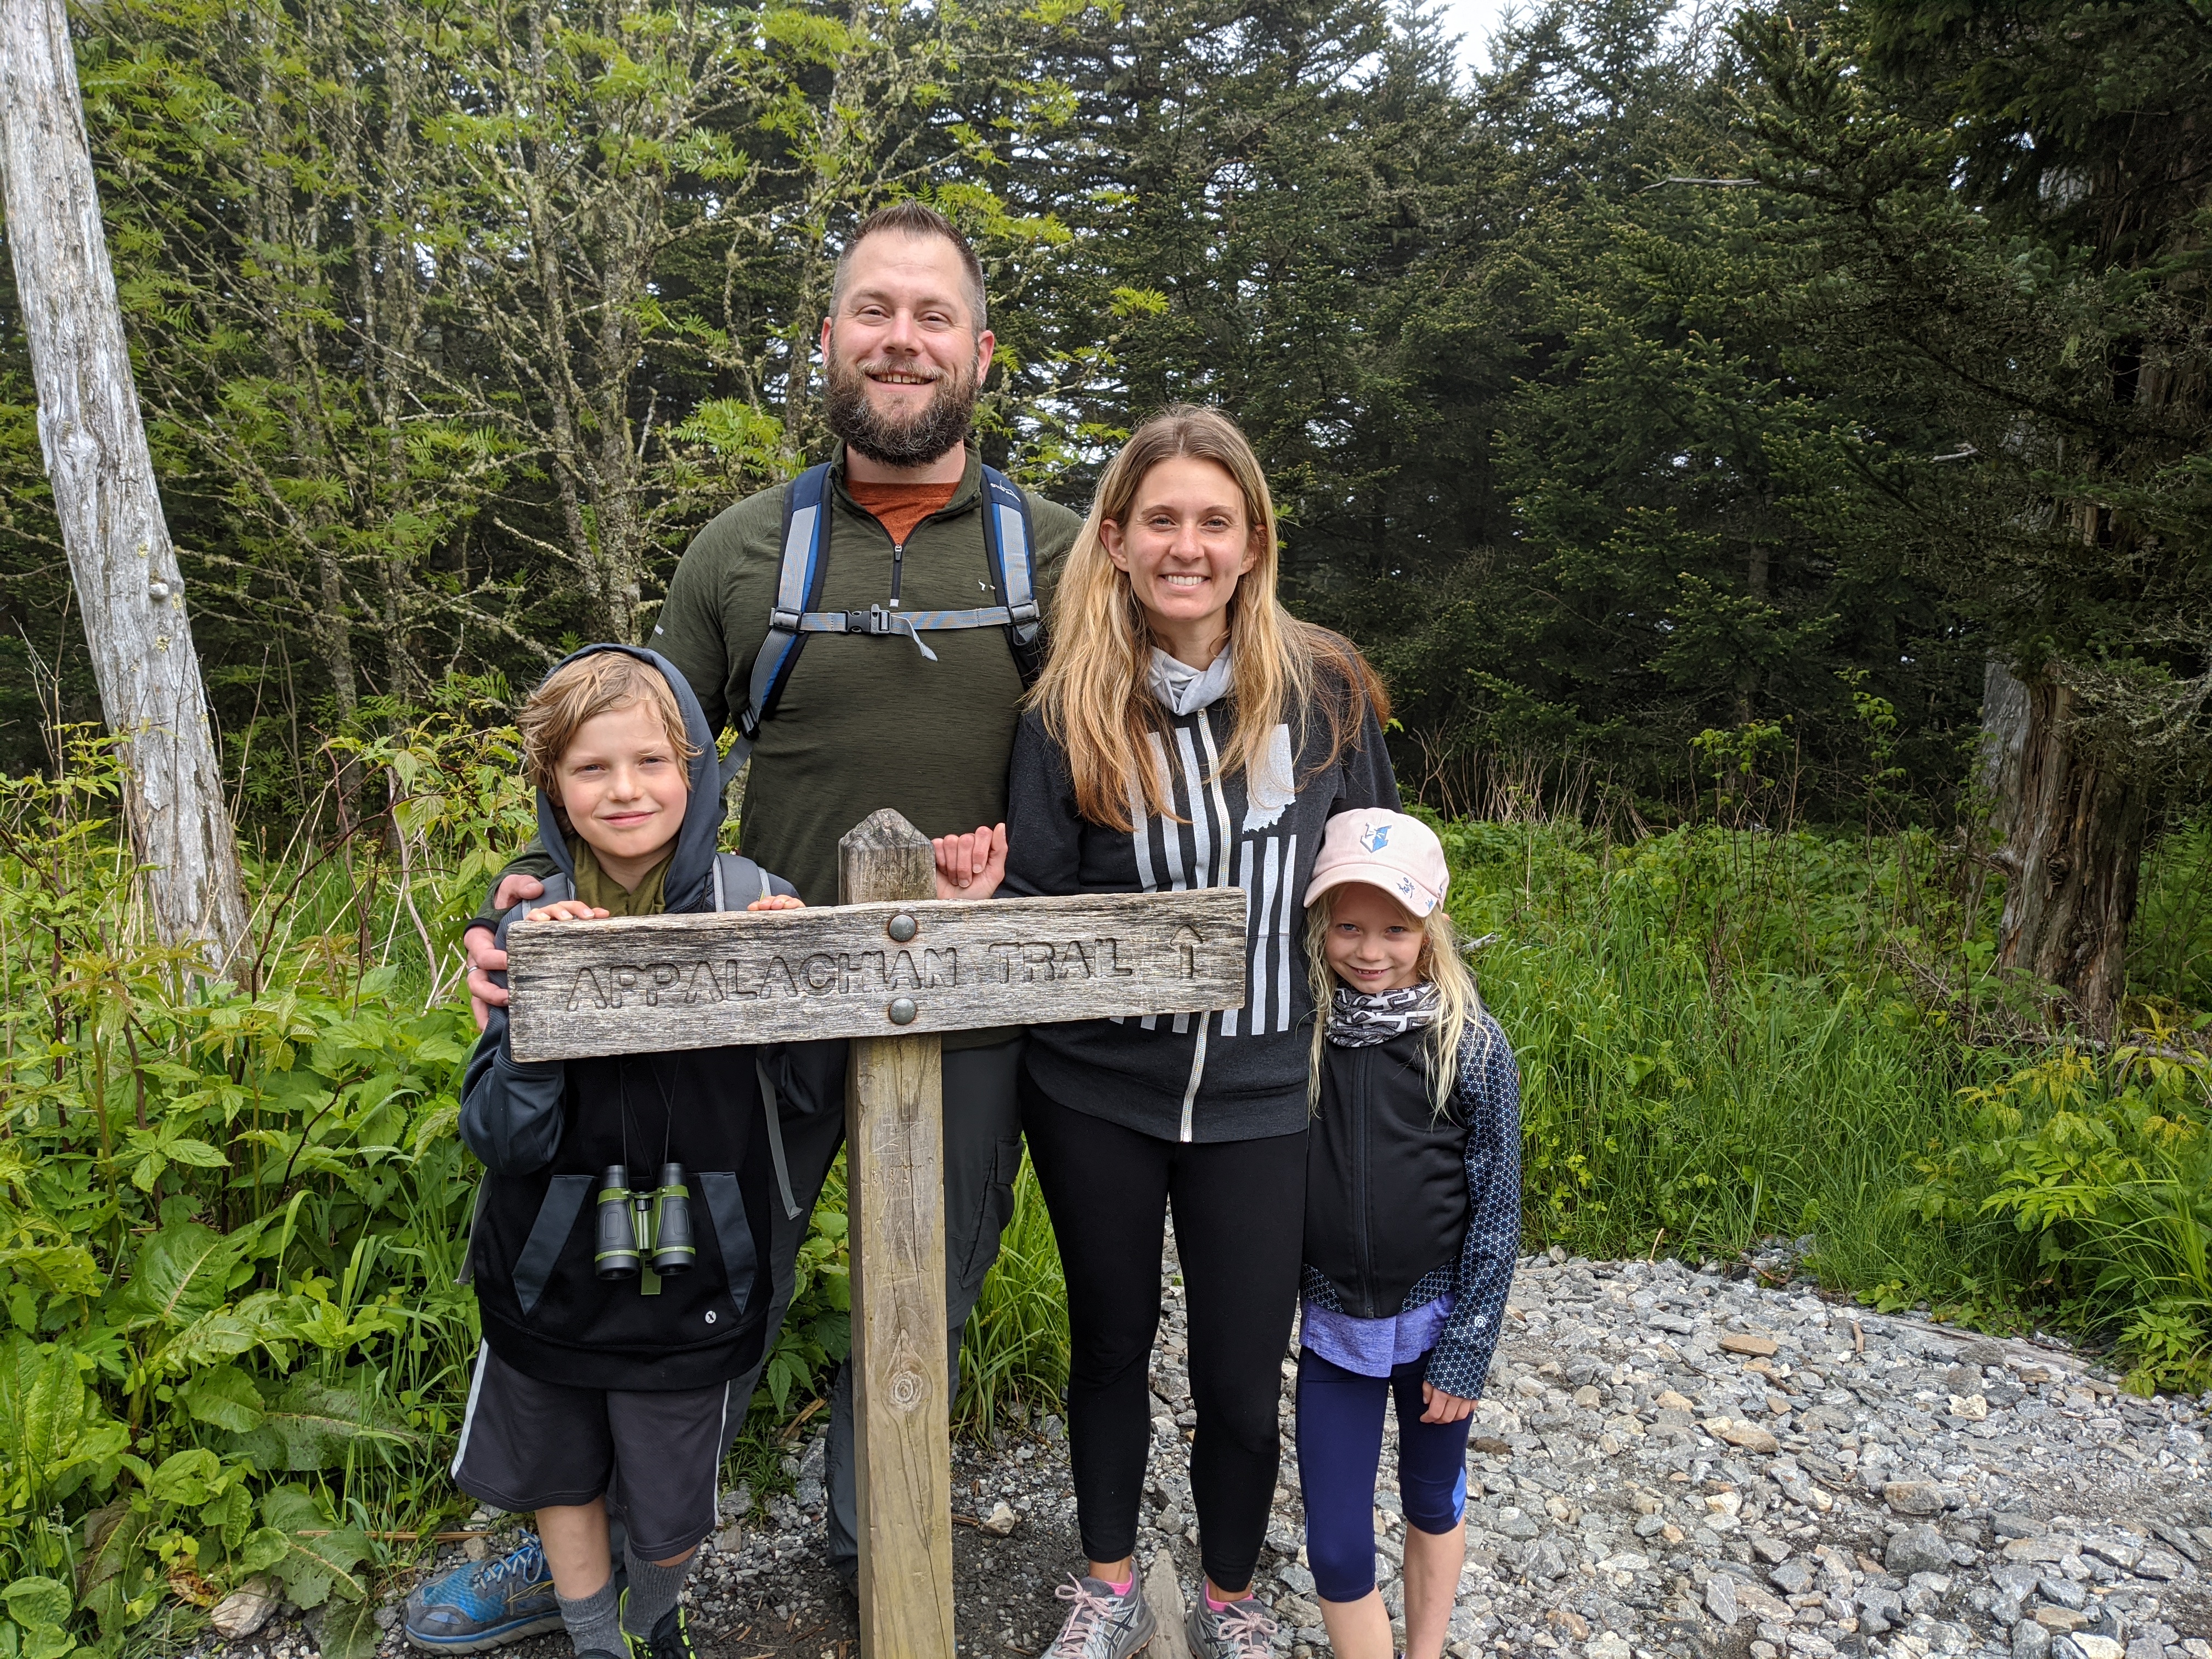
(919, 438)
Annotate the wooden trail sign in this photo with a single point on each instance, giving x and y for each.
(648, 984)
(890, 968)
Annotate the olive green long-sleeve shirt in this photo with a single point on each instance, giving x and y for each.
(865, 721)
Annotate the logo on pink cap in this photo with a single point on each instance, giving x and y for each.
(1393, 851)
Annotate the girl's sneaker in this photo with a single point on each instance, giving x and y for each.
(1102, 1625)
(1242, 1630)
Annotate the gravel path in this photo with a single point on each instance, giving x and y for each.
(1669, 1462)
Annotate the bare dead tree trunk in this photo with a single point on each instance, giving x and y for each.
(120, 557)
(2070, 832)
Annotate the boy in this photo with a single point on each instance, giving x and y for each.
(597, 1394)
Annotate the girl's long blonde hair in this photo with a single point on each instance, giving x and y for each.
(1440, 964)
(1092, 693)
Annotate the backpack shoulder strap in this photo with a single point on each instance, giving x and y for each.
(559, 885)
(1010, 539)
(739, 881)
(798, 584)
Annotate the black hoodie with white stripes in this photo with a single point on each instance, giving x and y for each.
(1240, 1073)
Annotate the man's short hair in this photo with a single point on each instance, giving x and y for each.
(914, 219)
(582, 690)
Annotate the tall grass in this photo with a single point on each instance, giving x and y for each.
(1715, 1043)
(1013, 1355)
(1726, 1034)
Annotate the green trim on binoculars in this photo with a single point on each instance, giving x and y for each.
(619, 1193)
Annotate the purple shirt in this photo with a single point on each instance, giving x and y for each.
(1373, 1347)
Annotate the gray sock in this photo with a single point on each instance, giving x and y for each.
(653, 1592)
(592, 1621)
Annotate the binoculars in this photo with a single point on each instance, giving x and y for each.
(648, 1228)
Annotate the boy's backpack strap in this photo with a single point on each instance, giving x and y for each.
(798, 584)
(739, 881)
(559, 885)
(1010, 538)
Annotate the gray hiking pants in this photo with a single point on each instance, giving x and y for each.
(982, 1155)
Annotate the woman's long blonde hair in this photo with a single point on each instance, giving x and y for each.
(1459, 1004)
(1092, 693)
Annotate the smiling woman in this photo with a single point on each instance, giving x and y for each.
(1187, 733)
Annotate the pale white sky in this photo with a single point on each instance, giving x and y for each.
(1473, 20)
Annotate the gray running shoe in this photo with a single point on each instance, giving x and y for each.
(1242, 1630)
(1102, 1625)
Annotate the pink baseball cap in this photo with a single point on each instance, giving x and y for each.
(1390, 850)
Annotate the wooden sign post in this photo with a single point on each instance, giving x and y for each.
(890, 968)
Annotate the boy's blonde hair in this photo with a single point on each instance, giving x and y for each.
(583, 690)
(1440, 964)
(1092, 690)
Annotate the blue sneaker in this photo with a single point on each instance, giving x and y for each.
(485, 1604)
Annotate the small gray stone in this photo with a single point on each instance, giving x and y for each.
(1513, 1523)
(1879, 1609)
(1913, 1497)
(2011, 1523)
(2030, 1640)
(1792, 1578)
(1545, 1560)
(1767, 1549)
(2062, 1592)
(1918, 1549)
(1720, 1598)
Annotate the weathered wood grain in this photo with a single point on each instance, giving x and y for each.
(650, 983)
(895, 1207)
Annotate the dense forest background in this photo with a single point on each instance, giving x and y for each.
(1765, 376)
(1765, 450)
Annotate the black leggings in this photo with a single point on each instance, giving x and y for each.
(1239, 1214)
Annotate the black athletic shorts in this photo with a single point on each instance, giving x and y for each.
(657, 1458)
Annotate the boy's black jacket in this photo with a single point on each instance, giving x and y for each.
(545, 1130)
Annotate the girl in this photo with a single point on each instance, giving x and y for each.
(1187, 733)
(1412, 1220)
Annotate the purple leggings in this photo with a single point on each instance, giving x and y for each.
(1339, 1449)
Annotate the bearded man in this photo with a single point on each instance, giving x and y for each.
(863, 720)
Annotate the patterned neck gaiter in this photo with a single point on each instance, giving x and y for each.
(1357, 1020)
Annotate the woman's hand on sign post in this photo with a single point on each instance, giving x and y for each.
(971, 865)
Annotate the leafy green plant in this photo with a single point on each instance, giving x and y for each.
(231, 1343)
(2104, 1165)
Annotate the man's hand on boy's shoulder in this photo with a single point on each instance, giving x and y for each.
(480, 943)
